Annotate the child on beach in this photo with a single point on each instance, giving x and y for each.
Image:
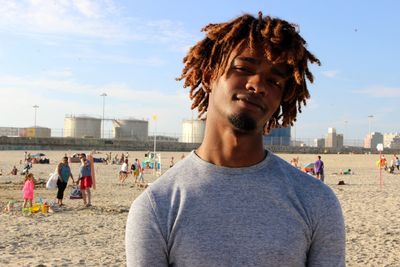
(28, 189)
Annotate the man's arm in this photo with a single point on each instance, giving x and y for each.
(144, 241)
(328, 240)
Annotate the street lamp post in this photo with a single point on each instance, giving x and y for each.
(35, 107)
(104, 105)
(369, 130)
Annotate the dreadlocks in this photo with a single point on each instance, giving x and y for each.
(281, 43)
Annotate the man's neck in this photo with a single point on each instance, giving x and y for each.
(230, 148)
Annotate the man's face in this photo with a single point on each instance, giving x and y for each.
(249, 92)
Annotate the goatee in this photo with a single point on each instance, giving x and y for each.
(243, 122)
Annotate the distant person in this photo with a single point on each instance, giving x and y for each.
(123, 173)
(85, 178)
(319, 169)
(397, 163)
(28, 189)
(141, 174)
(231, 202)
(383, 162)
(135, 170)
(295, 162)
(64, 172)
(14, 171)
(171, 163)
(1, 172)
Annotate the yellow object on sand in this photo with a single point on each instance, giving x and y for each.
(45, 208)
(35, 208)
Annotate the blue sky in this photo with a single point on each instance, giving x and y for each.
(61, 55)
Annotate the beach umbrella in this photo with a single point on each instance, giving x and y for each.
(309, 165)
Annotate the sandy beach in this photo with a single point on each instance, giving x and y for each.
(94, 236)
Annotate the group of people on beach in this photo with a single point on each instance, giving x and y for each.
(392, 166)
(135, 169)
(63, 170)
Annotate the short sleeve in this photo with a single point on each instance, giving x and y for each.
(144, 243)
(328, 241)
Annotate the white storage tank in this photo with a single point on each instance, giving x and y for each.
(82, 127)
(131, 129)
(193, 131)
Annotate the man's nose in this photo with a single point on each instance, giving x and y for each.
(256, 84)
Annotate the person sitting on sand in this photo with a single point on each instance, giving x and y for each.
(14, 171)
(295, 162)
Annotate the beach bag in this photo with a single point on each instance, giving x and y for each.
(75, 193)
(52, 181)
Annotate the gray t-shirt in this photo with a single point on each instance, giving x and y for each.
(269, 214)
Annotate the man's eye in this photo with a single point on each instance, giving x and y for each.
(242, 69)
(274, 83)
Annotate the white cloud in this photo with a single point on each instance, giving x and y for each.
(330, 73)
(118, 58)
(380, 92)
(101, 19)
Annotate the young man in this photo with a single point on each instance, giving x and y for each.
(231, 202)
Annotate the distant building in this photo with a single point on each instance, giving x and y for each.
(395, 143)
(388, 138)
(371, 141)
(9, 131)
(339, 140)
(193, 130)
(333, 140)
(41, 132)
(278, 136)
(319, 142)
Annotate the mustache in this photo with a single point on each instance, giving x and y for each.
(253, 99)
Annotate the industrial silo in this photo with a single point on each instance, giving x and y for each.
(193, 131)
(82, 127)
(131, 129)
(37, 131)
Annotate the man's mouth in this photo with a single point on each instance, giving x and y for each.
(249, 99)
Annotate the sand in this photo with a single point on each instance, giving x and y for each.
(94, 236)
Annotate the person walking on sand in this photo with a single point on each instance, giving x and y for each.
(319, 169)
(64, 172)
(231, 202)
(28, 190)
(123, 173)
(135, 169)
(85, 178)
